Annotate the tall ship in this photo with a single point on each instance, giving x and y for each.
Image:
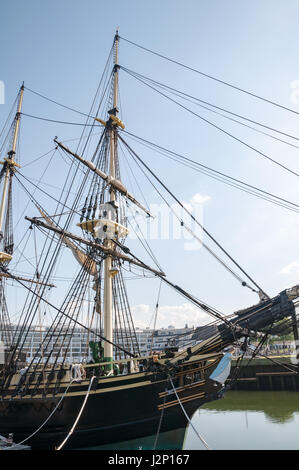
(49, 402)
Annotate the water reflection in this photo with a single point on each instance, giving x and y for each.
(248, 420)
(278, 407)
(241, 420)
(171, 440)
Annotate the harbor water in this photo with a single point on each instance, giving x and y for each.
(239, 421)
(248, 421)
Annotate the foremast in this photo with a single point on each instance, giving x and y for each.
(9, 165)
(6, 232)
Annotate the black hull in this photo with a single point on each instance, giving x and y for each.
(113, 413)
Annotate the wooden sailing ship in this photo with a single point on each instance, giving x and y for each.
(49, 403)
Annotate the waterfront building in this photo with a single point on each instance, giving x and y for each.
(75, 346)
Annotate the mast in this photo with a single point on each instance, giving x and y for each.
(103, 218)
(108, 272)
(117, 185)
(6, 235)
(9, 164)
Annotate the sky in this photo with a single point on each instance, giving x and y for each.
(59, 49)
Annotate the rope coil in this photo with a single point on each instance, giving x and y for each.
(78, 373)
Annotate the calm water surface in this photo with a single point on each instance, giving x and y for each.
(239, 421)
(248, 420)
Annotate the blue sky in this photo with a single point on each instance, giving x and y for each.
(60, 48)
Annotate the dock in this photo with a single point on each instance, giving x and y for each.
(262, 374)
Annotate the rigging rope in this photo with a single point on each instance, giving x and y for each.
(68, 316)
(59, 104)
(194, 300)
(50, 416)
(155, 316)
(61, 122)
(181, 93)
(160, 422)
(192, 216)
(211, 77)
(78, 417)
(203, 166)
(284, 202)
(42, 190)
(193, 234)
(198, 101)
(277, 362)
(187, 417)
(219, 128)
(189, 98)
(143, 241)
(217, 175)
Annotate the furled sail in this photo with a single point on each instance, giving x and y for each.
(113, 182)
(83, 259)
(105, 250)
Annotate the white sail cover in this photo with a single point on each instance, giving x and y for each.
(80, 256)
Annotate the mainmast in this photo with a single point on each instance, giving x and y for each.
(108, 271)
(103, 217)
(9, 164)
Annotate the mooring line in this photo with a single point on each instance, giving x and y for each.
(160, 423)
(78, 417)
(189, 420)
(51, 414)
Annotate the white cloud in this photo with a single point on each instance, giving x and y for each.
(294, 266)
(199, 198)
(176, 315)
(194, 200)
